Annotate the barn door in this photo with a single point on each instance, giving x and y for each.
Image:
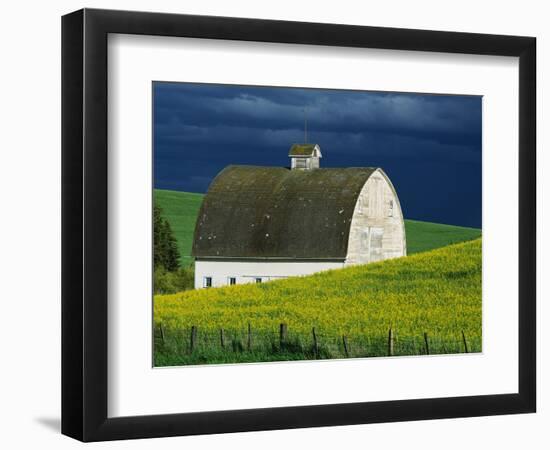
(374, 243)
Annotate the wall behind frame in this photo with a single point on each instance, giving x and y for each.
(30, 237)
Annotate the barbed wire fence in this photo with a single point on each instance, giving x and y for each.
(318, 345)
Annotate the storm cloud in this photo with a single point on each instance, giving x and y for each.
(430, 145)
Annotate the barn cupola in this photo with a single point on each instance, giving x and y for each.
(305, 156)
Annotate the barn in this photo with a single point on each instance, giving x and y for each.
(264, 223)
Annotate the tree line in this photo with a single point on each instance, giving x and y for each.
(166, 253)
(169, 277)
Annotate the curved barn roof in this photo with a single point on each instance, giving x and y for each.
(274, 212)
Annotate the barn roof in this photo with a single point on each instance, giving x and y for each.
(274, 212)
(303, 150)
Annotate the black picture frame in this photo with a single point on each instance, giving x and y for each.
(84, 224)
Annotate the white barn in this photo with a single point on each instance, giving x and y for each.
(263, 223)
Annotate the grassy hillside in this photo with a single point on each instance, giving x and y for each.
(436, 292)
(181, 209)
(423, 236)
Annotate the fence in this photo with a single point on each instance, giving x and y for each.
(317, 345)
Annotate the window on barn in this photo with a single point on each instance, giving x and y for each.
(258, 280)
(232, 281)
(207, 282)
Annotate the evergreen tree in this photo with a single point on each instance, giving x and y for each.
(165, 248)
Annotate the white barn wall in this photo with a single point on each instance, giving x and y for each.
(248, 271)
(372, 212)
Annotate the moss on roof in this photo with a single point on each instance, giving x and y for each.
(302, 150)
(274, 212)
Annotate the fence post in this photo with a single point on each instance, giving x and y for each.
(426, 343)
(346, 348)
(283, 329)
(249, 338)
(193, 337)
(315, 344)
(222, 337)
(161, 332)
(390, 342)
(465, 343)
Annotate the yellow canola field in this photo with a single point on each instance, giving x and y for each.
(437, 292)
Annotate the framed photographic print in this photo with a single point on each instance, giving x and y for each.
(273, 224)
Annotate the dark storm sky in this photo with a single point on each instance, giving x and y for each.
(429, 145)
